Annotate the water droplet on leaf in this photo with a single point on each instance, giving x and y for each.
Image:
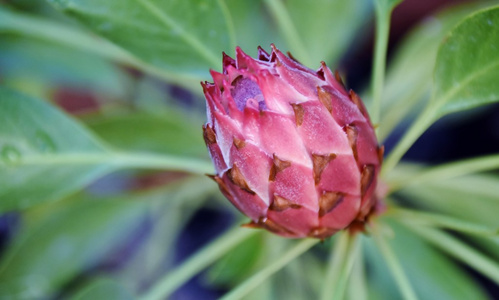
(10, 155)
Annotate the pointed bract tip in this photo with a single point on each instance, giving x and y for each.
(262, 54)
(227, 61)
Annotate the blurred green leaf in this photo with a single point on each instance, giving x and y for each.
(328, 27)
(53, 65)
(467, 65)
(168, 132)
(461, 250)
(204, 257)
(48, 29)
(67, 239)
(433, 275)
(261, 276)
(253, 25)
(184, 37)
(392, 260)
(409, 76)
(169, 209)
(44, 154)
(472, 197)
(413, 175)
(238, 264)
(103, 289)
(318, 30)
(412, 217)
(340, 266)
(156, 97)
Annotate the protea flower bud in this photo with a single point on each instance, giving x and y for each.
(292, 149)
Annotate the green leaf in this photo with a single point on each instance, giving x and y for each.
(53, 66)
(253, 25)
(416, 218)
(169, 209)
(467, 64)
(185, 37)
(461, 250)
(46, 29)
(413, 175)
(236, 265)
(103, 289)
(466, 70)
(452, 197)
(405, 91)
(196, 263)
(66, 239)
(164, 132)
(393, 262)
(340, 265)
(44, 154)
(252, 282)
(433, 275)
(324, 28)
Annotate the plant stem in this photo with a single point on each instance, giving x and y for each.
(380, 49)
(397, 112)
(416, 218)
(122, 160)
(424, 120)
(358, 285)
(280, 13)
(461, 251)
(393, 264)
(163, 162)
(340, 264)
(259, 277)
(450, 170)
(203, 258)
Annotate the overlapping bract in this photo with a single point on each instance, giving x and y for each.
(292, 149)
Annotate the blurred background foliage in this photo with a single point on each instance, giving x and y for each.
(102, 190)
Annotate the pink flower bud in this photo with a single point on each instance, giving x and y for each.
(292, 149)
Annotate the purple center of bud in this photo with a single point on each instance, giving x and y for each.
(246, 92)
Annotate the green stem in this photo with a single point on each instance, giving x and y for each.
(358, 286)
(163, 162)
(448, 171)
(255, 280)
(196, 263)
(340, 264)
(280, 13)
(393, 264)
(380, 49)
(424, 120)
(399, 111)
(121, 160)
(461, 251)
(416, 218)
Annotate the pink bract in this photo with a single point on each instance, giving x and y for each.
(292, 148)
